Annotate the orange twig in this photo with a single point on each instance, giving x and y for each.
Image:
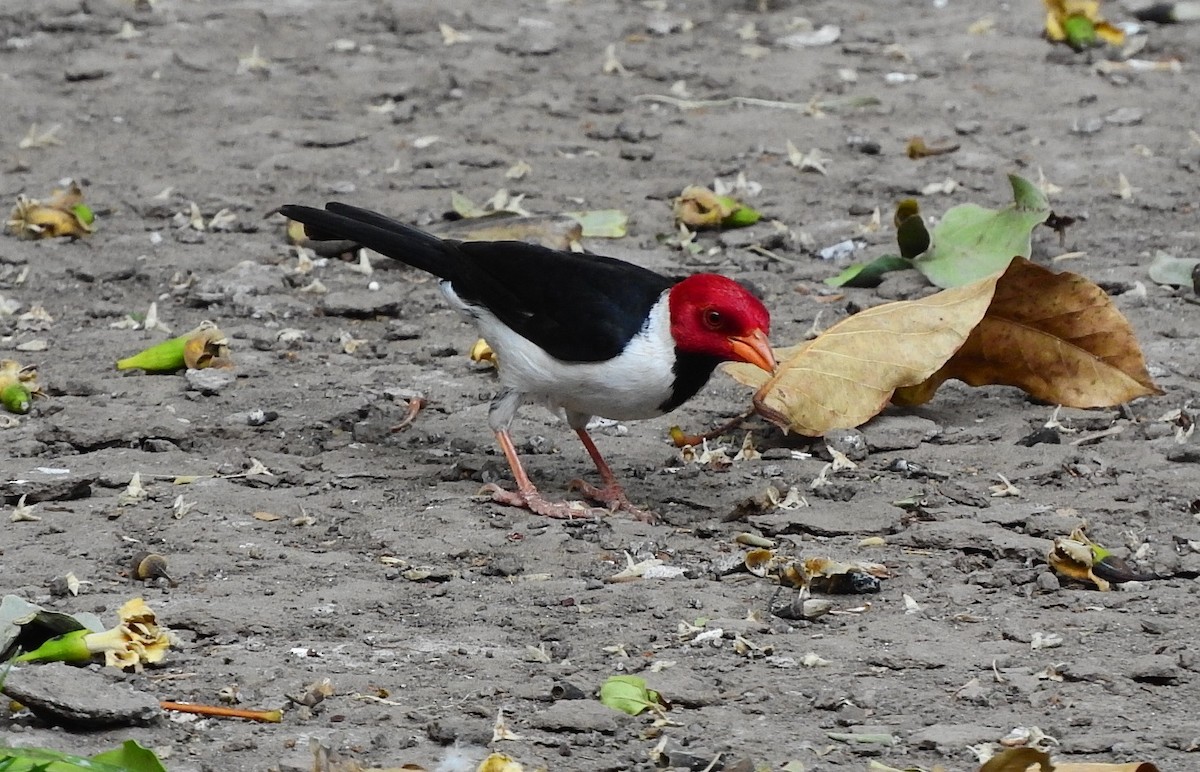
(269, 716)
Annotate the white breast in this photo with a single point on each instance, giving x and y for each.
(630, 386)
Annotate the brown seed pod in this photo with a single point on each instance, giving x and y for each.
(150, 565)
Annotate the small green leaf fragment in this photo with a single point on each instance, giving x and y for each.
(1080, 32)
(84, 214)
(739, 215)
(1171, 270)
(16, 398)
(601, 223)
(465, 207)
(870, 274)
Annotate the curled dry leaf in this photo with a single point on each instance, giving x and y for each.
(698, 207)
(18, 386)
(1078, 23)
(917, 148)
(63, 214)
(1059, 337)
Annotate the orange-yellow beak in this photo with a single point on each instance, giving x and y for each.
(753, 348)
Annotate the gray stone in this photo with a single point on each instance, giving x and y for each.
(1154, 669)
(683, 686)
(577, 716)
(1047, 581)
(832, 518)
(1125, 116)
(915, 656)
(363, 303)
(533, 37)
(849, 442)
(245, 278)
(952, 738)
(39, 486)
(210, 380)
(79, 697)
(900, 432)
(86, 435)
(967, 535)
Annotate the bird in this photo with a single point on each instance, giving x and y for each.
(583, 334)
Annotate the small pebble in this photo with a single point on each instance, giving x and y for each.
(210, 380)
(1048, 582)
(1087, 125)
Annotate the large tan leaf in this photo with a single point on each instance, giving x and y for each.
(846, 376)
(1055, 335)
(1033, 760)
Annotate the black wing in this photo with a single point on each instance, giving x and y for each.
(579, 308)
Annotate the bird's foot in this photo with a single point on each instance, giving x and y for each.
(614, 497)
(535, 503)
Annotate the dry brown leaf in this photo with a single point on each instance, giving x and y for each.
(847, 374)
(1057, 336)
(1097, 766)
(1034, 760)
(1018, 760)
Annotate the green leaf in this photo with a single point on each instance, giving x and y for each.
(1080, 32)
(131, 757)
(83, 213)
(628, 694)
(971, 242)
(465, 207)
(45, 760)
(601, 223)
(1177, 271)
(740, 215)
(869, 274)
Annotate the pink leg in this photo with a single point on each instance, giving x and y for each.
(527, 496)
(612, 493)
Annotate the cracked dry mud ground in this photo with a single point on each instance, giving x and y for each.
(272, 605)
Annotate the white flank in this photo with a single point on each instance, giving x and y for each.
(632, 385)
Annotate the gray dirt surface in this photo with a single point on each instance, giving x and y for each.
(365, 556)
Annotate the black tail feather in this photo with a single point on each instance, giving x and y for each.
(384, 235)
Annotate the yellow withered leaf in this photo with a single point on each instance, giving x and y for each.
(1079, 23)
(1057, 336)
(846, 375)
(63, 214)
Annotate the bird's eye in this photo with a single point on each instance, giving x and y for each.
(713, 319)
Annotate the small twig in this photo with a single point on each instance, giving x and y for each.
(220, 711)
(380, 700)
(760, 250)
(1089, 439)
(741, 101)
(172, 676)
(680, 439)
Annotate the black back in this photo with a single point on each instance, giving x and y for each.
(579, 308)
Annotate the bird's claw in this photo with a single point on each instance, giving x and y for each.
(535, 503)
(614, 497)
